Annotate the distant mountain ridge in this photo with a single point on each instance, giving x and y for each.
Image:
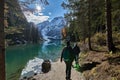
(52, 29)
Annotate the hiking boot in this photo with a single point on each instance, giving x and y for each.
(68, 79)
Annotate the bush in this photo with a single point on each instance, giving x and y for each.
(99, 39)
(116, 38)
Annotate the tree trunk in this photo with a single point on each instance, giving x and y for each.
(2, 47)
(109, 26)
(89, 26)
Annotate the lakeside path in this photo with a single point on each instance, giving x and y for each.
(57, 72)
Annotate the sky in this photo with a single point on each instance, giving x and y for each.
(38, 13)
(54, 9)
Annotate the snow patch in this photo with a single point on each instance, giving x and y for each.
(33, 67)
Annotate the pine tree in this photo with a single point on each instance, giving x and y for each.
(2, 45)
(89, 25)
(109, 42)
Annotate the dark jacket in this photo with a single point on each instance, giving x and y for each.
(67, 54)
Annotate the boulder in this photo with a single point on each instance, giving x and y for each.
(46, 66)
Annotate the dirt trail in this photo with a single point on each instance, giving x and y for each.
(58, 73)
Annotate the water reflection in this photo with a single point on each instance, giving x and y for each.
(18, 56)
(50, 50)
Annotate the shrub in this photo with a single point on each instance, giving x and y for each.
(99, 39)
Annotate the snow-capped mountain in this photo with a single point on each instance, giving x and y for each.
(52, 29)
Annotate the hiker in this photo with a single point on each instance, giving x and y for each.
(68, 57)
(76, 51)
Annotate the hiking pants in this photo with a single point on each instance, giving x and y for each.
(68, 69)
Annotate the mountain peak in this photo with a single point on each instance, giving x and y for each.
(53, 28)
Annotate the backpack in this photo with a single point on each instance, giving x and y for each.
(76, 50)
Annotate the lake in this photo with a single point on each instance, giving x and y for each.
(18, 56)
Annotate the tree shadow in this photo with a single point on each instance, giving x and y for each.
(99, 50)
(117, 49)
(114, 60)
(87, 66)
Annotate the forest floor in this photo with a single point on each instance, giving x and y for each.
(100, 66)
(57, 72)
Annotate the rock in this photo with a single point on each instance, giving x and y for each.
(46, 66)
(32, 68)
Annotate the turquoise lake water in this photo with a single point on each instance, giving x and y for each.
(18, 56)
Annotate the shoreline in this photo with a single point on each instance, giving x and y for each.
(57, 72)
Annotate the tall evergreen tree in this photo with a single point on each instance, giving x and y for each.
(89, 25)
(2, 45)
(110, 45)
(76, 17)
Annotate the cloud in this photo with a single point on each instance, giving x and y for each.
(33, 11)
(49, 13)
(39, 8)
(35, 18)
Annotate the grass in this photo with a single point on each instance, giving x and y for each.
(107, 69)
(98, 41)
